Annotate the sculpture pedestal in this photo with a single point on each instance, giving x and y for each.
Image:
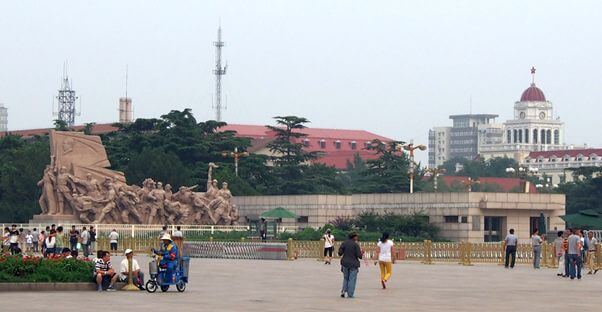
(54, 219)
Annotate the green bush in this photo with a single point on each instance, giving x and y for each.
(369, 227)
(18, 269)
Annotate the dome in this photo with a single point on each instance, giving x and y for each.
(533, 94)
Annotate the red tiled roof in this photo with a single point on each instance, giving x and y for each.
(506, 184)
(339, 159)
(533, 94)
(315, 133)
(561, 153)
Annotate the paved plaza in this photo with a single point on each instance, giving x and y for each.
(309, 285)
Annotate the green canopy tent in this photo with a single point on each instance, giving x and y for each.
(279, 213)
(585, 219)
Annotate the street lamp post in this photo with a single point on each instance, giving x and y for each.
(236, 155)
(435, 173)
(411, 147)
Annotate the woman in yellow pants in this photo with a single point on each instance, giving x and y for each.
(385, 252)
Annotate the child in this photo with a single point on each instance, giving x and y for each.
(29, 242)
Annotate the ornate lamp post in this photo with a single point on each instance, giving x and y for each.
(236, 155)
(411, 147)
(435, 173)
(469, 183)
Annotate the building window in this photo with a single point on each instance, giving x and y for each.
(520, 135)
(556, 137)
(543, 136)
(464, 219)
(451, 219)
(322, 144)
(303, 219)
(476, 223)
(515, 136)
(306, 142)
(337, 144)
(509, 136)
(534, 136)
(526, 135)
(549, 136)
(353, 145)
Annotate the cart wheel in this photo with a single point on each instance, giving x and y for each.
(164, 288)
(181, 286)
(151, 286)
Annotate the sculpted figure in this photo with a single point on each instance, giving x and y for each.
(234, 215)
(109, 203)
(63, 192)
(172, 211)
(126, 202)
(221, 215)
(47, 199)
(89, 185)
(156, 212)
(83, 205)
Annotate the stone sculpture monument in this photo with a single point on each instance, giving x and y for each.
(78, 186)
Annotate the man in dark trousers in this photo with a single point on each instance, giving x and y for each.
(510, 242)
(351, 254)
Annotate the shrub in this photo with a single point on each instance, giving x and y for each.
(15, 269)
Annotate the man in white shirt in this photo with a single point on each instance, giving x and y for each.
(137, 275)
(536, 243)
(113, 239)
(591, 252)
(85, 236)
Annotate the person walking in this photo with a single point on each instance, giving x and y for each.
(85, 237)
(328, 246)
(558, 249)
(351, 254)
(113, 240)
(510, 243)
(536, 243)
(385, 255)
(591, 252)
(575, 255)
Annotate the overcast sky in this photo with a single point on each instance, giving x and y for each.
(395, 68)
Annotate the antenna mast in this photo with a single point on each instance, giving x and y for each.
(219, 71)
(66, 100)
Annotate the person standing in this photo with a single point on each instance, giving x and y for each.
(92, 247)
(60, 238)
(510, 242)
(591, 252)
(113, 240)
(85, 236)
(536, 243)
(575, 255)
(351, 254)
(263, 229)
(6, 240)
(29, 241)
(565, 246)
(559, 253)
(50, 243)
(385, 258)
(328, 246)
(35, 243)
(41, 243)
(178, 232)
(22, 240)
(73, 237)
(13, 239)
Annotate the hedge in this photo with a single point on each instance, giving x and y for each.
(19, 269)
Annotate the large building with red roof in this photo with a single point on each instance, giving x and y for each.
(557, 165)
(338, 147)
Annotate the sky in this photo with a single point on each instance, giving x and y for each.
(395, 68)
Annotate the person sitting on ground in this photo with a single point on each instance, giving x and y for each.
(137, 275)
(103, 271)
(66, 253)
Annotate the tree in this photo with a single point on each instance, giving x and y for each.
(61, 125)
(287, 149)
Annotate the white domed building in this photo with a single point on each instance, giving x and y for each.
(534, 128)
